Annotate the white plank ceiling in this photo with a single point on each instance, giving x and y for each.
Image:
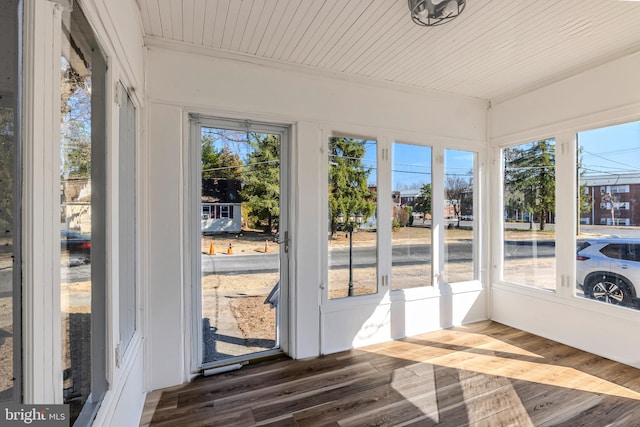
(494, 50)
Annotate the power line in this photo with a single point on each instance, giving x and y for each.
(635, 167)
(248, 165)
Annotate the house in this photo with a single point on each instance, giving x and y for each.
(408, 197)
(139, 81)
(221, 206)
(75, 202)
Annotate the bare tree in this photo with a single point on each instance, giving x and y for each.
(456, 188)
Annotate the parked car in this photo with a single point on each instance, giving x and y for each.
(77, 244)
(608, 270)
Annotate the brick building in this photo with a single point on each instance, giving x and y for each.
(614, 199)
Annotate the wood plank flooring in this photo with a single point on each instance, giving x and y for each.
(484, 374)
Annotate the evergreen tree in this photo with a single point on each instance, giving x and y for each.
(530, 169)
(261, 181)
(348, 189)
(219, 163)
(423, 201)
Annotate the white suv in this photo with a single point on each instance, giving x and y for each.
(608, 270)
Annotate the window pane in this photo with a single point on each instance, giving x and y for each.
(459, 215)
(607, 259)
(82, 215)
(529, 214)
(411, 238)
(127, 224)
(352, 217)
(9, 206)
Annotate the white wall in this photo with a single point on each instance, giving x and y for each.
(182, 82)
(606, 95)
(608, 92)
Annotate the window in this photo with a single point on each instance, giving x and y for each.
(607, 267)
(529, 214)
(411, 237)
(83, 197)
(619, 189)
(352, 222)
(459, 214)
(128, 219)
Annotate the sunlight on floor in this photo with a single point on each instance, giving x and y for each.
(490, 356)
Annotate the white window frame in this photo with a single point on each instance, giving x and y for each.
(128, 227)
(562, 141)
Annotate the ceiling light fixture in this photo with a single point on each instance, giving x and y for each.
(430, 13)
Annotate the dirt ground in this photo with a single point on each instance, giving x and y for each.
(254, 318)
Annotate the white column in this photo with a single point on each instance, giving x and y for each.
(42, 373)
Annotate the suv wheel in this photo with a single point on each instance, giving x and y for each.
(610, 289)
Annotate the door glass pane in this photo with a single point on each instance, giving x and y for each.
(352, 222)
(529, 214)
(241, 241)
(459, 216)
(82, 216)
(127, 223)
(9, 206)
(411, 218)
(608, 240)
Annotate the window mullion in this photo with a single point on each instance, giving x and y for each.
(566, 216)
(437, 221)
(384, 204)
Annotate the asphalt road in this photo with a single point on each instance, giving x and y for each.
(365, 256)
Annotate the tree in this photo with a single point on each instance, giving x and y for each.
(530, 169)
(348, 176)
(7, 167)
(219, 163)
(585, 201)
(261, 181)
(75, 108)
(423, 201)
(457, 189)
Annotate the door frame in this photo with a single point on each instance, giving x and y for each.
(192, 235)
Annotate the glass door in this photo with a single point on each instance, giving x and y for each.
(243, 241)
(83, 198)
(10, 203)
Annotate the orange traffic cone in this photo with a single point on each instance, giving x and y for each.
(230, 249)
(211, 249)
(266, 246)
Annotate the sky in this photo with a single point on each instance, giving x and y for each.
(611, 150)
(412, 164)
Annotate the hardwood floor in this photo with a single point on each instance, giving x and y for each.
(485, 374)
